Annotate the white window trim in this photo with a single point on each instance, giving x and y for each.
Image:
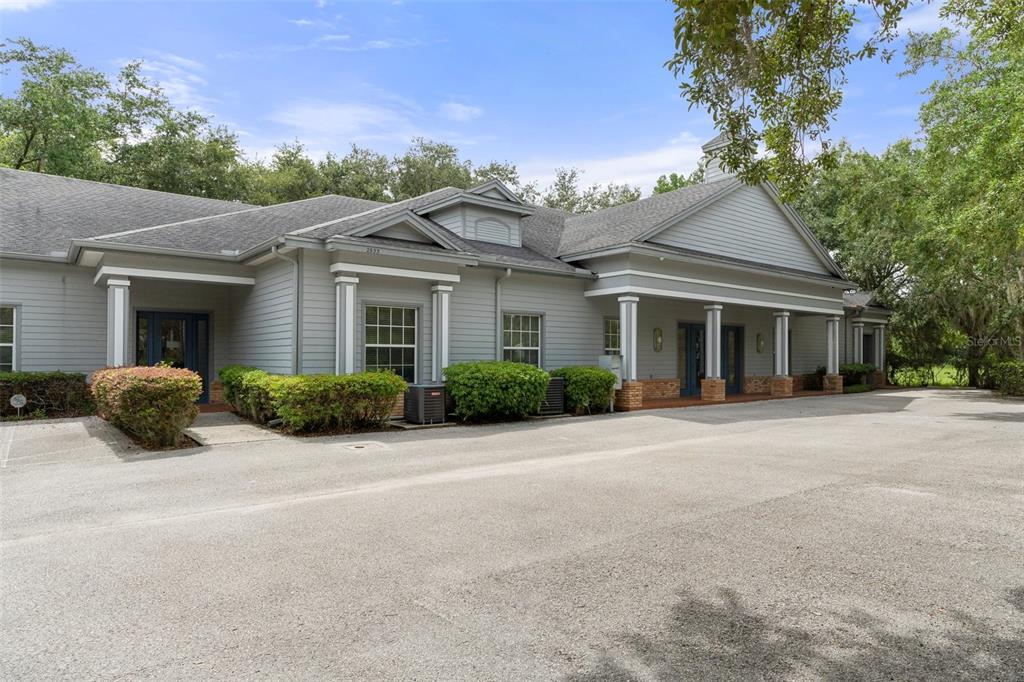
(540, 335)
(604, 337)
(416, 337)
(13, 344)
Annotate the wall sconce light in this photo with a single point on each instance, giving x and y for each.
(658, 340)
(760, 342)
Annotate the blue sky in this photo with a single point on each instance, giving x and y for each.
(539, 84)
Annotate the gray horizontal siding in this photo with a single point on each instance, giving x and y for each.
(62, 315)
(745, 224)
(809, 343)
(318, 312)
(261, 320)
(472, 317)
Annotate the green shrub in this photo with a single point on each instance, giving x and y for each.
(495, 390)
(856, 373)
(328, 402)
(1008, 377)
(857, 388)
(587, 389)
(252, 396)
(154, 404)
(48, 394)
(231, 380)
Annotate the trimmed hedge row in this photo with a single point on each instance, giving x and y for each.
(587, 389)
(856, 373)
(154, 404)
(1008, 377)
(313, 402)
(493, 390)
(48, 394)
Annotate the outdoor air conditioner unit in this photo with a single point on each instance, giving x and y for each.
(554, 398)
(425, 404)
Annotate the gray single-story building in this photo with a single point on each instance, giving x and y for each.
(712, 289)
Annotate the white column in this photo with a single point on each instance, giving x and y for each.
(441, 299)
(713, 341)
(345, 324)
(880, 347)
(782, 343)
(627, 335)
(858, 342)
(832, 360)
(118, 322)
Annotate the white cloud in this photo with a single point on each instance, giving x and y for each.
(180, 79)
(457, 111)
(336, 124)
(679, 155)
(21, 5)
(922, 19)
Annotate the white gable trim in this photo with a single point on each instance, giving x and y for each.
(803, 230)
(416, 222)
(498, 185)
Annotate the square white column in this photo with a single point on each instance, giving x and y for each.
(713, 341)
(118, 322)
(782, 343)
(880, 347)
(441, 298)
(832, 333)
(627, 335)
(858, 342)
(345, 324)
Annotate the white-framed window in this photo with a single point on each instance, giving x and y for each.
(8, 318)
(612, 340)
(389, 334)
(521, 338)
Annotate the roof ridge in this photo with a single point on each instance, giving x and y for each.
(128, 187)
(310, 228)
(653, 197)
(251, 209)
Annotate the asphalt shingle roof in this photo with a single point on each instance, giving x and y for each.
(345, 225)
(246, 229)
(624, 223)
(40, 214)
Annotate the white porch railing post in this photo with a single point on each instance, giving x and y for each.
(345, 324)
(880, 347)
(627, 335)
(782, 343)
(713, 341)
(832, 360)
(858, 342)
(440, 298)
(118, 322)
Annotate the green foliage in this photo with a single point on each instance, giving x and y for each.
(252, 396)
(856, 373)
(49, 394)
(328, 402)
(857, 388)
(495, 390)
(1008, 377)
(231, 378)
(587, 389)
(154, 404)
(565, 193)
(815, 381)
(674, 181)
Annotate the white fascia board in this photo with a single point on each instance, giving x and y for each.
(467, 198)
(708, 282)
(362, 269)
(173, 275)
(343, 243)
(669, 293)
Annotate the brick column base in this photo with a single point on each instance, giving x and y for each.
(630, 396)
(782, 386)
(878, 379)
(216, 392)
(833, 383)
(712, 390)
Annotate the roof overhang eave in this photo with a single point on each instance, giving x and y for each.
(78, 245)
(351, 244)
(17, 255)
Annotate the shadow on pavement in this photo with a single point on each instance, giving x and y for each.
(798, 408)
(726, 640)
(1014, 417)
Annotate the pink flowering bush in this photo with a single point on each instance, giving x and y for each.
(154, 404)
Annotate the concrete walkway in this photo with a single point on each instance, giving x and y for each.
(223, 428)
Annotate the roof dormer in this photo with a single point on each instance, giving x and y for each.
(490, 212)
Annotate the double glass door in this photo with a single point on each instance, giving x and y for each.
(690, 344)
(175, 339)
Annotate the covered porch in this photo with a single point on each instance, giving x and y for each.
(687, 342)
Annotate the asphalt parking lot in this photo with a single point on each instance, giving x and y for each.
(871, 536)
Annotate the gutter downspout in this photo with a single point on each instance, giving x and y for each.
(295, 309)
(498, 345)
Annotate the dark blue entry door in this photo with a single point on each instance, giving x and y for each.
(177, 339)
(690, 345)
